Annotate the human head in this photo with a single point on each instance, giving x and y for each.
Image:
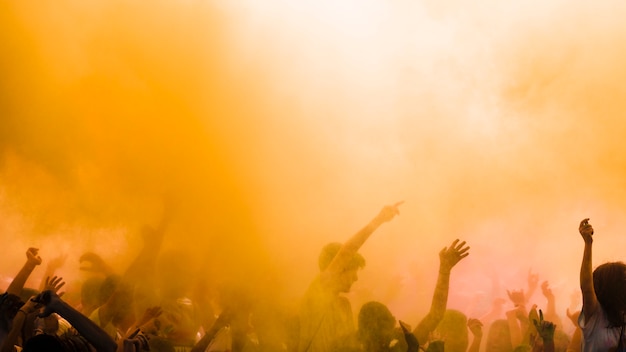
(348, 275)
(376, 326)
(453, 330)
(9, 305)
(330, 251)
(44, 342)
(499, 337)
(609, 282)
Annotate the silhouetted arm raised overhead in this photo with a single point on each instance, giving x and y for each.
(448, 258)
(32, 260)
(352, 246)
(590, 301)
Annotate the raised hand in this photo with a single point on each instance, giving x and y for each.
(586, 230)
(54, 284)
(574, 299)
(47, 299)
(450, 256)
(519, 313)
(32, 257)
(30, 306)
(475, 327)
(545, 329)
(517, 297)
(389, 212)
(546, 291)
(573, 316)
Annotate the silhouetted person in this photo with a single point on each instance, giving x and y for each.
(604, 299)
(325, 316)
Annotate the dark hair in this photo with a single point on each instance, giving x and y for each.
(330, 251)
(453, 327)
(609, 282)
(374, 317)
(9, 305)
(44, 343)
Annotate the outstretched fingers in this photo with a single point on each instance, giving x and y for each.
(460, 249)
(54, 284)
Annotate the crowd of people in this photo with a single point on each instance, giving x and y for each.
(151, 307)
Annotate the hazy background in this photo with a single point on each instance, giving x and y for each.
(277, 126)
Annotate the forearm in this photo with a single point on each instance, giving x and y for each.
(207, 338)
(576, 341)
(87, 328)
(19, 281)
(586, 282)
(437, 307)
(475, 346)
(548, 345)
(514, 328)
(14, 334)
(352, 246)
(551, 314)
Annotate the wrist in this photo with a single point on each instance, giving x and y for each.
(376, 222)
(444, 270)
(25, 313)
(30, 265)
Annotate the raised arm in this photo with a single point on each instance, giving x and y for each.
(590, 301)
(517, 319)
(545, 330)
(448, 258)
(476, 328)
(32, 260)
(352, 246)
(533, 282)
(51, 268)
(577, 337)
(551, 314)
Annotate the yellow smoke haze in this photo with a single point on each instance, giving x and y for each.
(273, 127)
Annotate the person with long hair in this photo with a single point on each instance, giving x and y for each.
(604, 299)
